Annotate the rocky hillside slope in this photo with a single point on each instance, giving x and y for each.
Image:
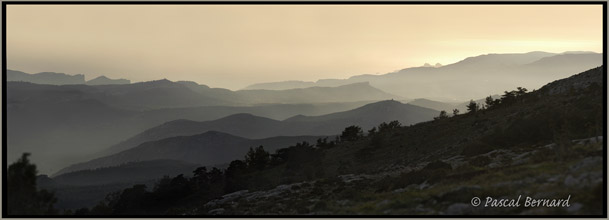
(545, 144)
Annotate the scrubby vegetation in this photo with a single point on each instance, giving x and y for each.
(23, 197)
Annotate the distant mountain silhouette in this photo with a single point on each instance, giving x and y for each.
(164, 93)
(569, 61)
(436, 105)
(66, 118)
(209, 148)
(354, 92)
(52, 78)
(292, 84)
(127, 172)
(103, 80)
(250, 126)
(497, 60)
(45, 78)
(86, 188)
(136, 96)
(472, 77)
(273, 111)
(345, 93)
(448, 106)
(244, 125)
(370, 115)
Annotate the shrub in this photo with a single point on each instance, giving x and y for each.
(438, 164)
(352, 133)
(476, 148)
(321, 205)
(480, 161)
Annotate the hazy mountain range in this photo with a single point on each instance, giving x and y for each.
(472, 77)
(510, 139)
(192, 142)
(251, 126)
(74, 122)
(63, 128)
(427, 103)
(167, 94)
(45, 78)
(549, 141)
(68, 117)
(103, 80)
(53, 78)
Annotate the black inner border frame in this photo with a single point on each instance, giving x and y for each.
(299, 2)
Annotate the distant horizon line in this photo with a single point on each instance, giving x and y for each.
(304, 81)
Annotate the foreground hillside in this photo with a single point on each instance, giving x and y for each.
(440, 188)
(544, 144)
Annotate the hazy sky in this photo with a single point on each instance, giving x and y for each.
(233, 46)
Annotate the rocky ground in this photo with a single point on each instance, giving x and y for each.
(554, 171)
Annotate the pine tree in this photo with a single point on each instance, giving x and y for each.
(22, 196)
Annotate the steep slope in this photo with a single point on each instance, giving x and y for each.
(591, 78)
(209, 148)
(548, 144)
